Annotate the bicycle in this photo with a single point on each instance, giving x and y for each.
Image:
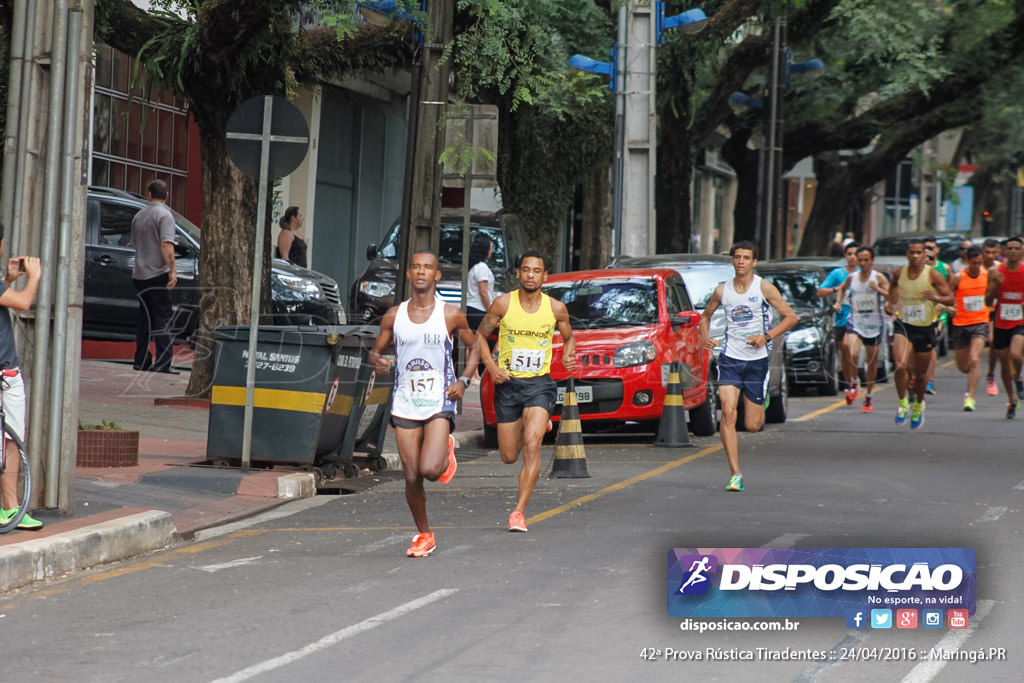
(24, 486)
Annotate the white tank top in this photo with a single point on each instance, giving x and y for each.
(866, 317)
(423, 365)
(746, 315)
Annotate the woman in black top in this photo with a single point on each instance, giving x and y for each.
(289, 245)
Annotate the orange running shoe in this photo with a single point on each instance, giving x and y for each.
(422, 545)
(516, 521)
(453, 464)
(868, 404)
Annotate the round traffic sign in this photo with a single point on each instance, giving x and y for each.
(288, 136)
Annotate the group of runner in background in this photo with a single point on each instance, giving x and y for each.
(979, 298)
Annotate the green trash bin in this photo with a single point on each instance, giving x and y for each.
(314, 388)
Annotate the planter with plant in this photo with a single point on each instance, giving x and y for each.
(107, 444)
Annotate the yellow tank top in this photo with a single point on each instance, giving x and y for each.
(914, 308)
(524, 339)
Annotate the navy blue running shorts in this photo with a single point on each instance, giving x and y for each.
(751, 376)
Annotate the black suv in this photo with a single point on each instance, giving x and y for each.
(373, 292)
(300, 296)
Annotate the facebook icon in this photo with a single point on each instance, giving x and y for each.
(854, 618)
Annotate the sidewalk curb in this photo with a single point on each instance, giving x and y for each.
(111, 541)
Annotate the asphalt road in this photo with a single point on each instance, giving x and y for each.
(321, 590)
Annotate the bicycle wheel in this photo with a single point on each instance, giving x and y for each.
(24, 486)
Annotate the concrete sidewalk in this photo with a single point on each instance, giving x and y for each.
(172, 493)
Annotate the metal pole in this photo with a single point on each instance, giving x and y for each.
(11, 147)
(622, 52)
(771, 185)
(257, 283)
(28, 108)
(60, 306)
(51, 198)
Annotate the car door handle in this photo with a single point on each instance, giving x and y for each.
(104, 260)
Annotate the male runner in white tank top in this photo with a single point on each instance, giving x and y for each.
(425, 392)
(743, 363)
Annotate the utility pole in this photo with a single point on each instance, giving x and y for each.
(773, 163)
(637, 61)
(421, 196)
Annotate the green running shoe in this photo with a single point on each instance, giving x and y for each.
(901, 411)
(26, 522)
(969, 404)
(735, 483)
(917, 415)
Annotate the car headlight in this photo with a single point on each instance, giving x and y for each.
(300, 288)
(806, 338)
(378, 290)
(637, 353)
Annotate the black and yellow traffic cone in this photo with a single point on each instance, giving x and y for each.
(672, 431)
(570, 460)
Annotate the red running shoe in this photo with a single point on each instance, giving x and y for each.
(422, 545)
(453, 464)
(516, 521)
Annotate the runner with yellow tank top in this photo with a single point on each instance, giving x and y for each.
(524, 393)
(916, 288)
(970, 330)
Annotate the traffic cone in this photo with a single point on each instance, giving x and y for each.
(570, 460)
(672, 431)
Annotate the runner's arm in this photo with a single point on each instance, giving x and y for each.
(492, 318)
(841, 292)
(894, 293)
(565, 329)
(387, 331)
(994, 280)
(881, 284)
(942, 294)
(789, 319)
(705, 318)
(458, 323)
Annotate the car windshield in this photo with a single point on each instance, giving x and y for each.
(798, 289)
(186, 225)
(451, 244)
(596, 304)
(701, 282)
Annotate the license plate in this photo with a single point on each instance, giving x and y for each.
(583, 395)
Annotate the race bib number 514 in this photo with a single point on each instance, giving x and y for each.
(527, 360)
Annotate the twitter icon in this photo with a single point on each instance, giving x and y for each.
(881, 618)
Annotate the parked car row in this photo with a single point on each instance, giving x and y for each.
(299, 296)
(373, 292)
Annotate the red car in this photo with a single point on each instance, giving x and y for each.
(630, 325)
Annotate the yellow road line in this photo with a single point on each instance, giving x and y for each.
(625, 483)
(832, 406)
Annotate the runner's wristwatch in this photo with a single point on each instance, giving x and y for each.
(464, 380)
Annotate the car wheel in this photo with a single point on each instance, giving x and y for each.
(704, 418)
(490, 436)
(779, 405)
(830, 387)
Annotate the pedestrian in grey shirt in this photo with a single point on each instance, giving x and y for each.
(154, 275)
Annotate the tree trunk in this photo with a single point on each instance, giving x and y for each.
(838, 187)
(744, 162)
(595, 221)
(225, 260)
(675, 171)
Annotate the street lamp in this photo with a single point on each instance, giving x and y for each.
(632, 73)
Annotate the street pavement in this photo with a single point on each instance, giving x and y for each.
(173, 492)
(320, 588)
